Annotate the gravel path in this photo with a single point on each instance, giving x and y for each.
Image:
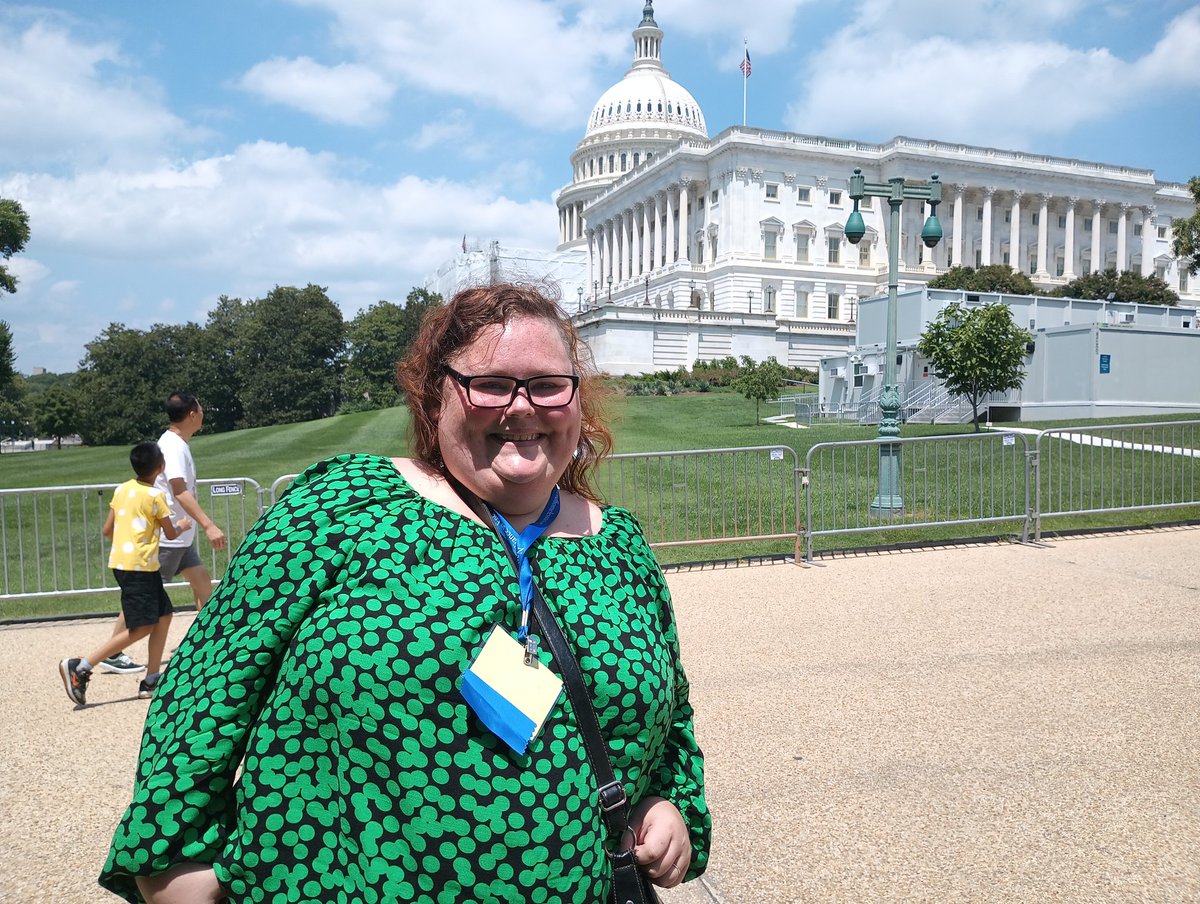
(983, 723)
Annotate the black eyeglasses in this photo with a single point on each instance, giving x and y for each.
(498, 391)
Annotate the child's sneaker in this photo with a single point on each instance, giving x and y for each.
(74, 681)
(120, 664)
(146, 688)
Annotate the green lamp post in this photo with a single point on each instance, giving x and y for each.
(889, 503)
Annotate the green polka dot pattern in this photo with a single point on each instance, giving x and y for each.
(309, 739)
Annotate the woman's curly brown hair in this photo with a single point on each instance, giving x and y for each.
(448, 329)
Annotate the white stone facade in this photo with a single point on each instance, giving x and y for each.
(674, 246)
(752, 222)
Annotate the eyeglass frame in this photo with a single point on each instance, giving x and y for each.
(465, 382)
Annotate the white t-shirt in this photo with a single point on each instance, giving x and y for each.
(179, 465)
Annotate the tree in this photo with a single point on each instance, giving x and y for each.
(1124, 286)
(14, 233)
(976, 351)
(760, 381)
(1186, 243)
(225, 331)
(291, 356)
(56, 412)
(992, 278)
(13, 411)
(376, 339)
(120, 387)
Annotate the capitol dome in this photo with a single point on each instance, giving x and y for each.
(637, 119)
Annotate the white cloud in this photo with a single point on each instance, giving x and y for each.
(346, 93)
(1007, 92)
(238, 224)
(65, 100)
(532, 59)
(452, 129)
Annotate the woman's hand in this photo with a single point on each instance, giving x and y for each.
(661, 843)
(185, 883)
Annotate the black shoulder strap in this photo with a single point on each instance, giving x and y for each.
(614, 804)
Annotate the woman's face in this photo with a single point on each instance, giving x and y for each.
(510, 457)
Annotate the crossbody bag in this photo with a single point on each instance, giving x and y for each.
(630, 885)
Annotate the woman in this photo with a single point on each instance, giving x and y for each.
(329, 663)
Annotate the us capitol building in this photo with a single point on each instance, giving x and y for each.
(675, 246)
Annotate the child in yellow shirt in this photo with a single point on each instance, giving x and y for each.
(137, 511)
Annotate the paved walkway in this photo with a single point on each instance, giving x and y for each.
(983, 723)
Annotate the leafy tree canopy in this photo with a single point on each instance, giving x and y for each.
(56, 412)
(760, 381)
(1124, 286)
(1186, 243)
(976, 350)
(14, 233)
(378, 337)
(290, 361)
(992, 278)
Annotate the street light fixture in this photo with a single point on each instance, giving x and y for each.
(610, 289)
(749, 301)
(647, 301)
(579, 292)
(889, 502)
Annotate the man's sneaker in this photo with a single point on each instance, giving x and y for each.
(146, 689)
(74, 681)
(121, 665)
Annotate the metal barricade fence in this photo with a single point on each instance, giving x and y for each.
(50, 541)
(706, 496)
(943, 480)
(1116, 467)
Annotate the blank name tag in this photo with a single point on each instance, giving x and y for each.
(509, 697)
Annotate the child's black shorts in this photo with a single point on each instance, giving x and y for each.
(143, 598)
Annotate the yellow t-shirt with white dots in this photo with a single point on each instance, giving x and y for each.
(136, 509)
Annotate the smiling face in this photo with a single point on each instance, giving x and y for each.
(510, 457)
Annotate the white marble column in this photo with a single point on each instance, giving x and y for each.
(662, 224)
(1069, 241)
(684, 254)
(647, 248)
(631, 245)
(1148, 238)
(1123, 239)
(619, 222)
(609, 239)
(985, 259)
(1043, 271)
(956, 241)
(591, 270)
(672, 229)
(1014, 232)
(1097, 236)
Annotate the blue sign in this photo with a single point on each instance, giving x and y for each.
(1105, 363)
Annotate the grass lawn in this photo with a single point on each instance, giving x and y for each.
(675, 496)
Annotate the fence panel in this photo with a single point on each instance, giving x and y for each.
(50, 540)
(707, 496)
(943, 480)
(1116, 467)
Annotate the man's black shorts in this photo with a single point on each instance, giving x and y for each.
(143, 598)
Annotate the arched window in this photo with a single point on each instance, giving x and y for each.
(639, 106)
(611, 161)
(624, 162)
(670, 109)
(660, 106)
(636, 155)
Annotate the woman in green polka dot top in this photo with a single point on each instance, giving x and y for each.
(310, 740)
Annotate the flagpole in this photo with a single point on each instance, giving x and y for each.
(745, 78)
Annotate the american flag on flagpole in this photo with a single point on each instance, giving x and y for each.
(464, 245)
(745, 66)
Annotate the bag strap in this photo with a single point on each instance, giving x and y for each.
(614, 803)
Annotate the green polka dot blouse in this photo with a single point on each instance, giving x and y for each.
(310, 741)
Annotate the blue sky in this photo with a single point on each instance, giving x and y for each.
(169, 153)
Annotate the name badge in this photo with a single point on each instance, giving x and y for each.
(512, 699)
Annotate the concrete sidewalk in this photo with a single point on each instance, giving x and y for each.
(980, 723)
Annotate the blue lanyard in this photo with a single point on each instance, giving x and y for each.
(519, 545)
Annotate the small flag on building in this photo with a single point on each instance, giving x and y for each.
(464, 243)
(745, 66)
